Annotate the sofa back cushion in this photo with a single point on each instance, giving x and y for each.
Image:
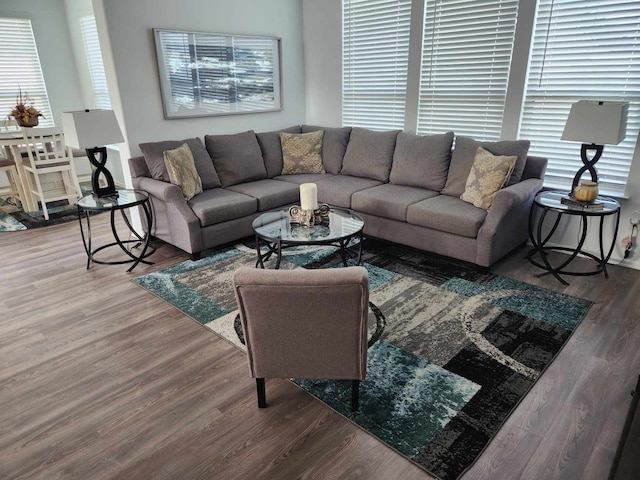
(334, 145)
(464, 154)
(272, 150)
(153, 156)
(421, 160)
(237, 158)
(369, 153)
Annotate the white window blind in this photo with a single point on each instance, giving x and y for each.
(375, 57)
(466, 57)
(93, 55)
(582, 50)
(20, 67)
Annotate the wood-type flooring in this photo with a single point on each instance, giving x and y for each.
(99, 379)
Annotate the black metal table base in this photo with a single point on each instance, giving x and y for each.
(141, 243)
(276, 247)
(541, 250)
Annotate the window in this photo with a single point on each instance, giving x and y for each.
(469, 75)
(582, 50)
(375, 57)
(20, 67)
(94, 62)
(466, 56)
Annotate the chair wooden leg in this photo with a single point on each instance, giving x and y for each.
(355, 395)
(262, 393)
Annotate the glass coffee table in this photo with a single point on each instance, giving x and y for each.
(273, 231)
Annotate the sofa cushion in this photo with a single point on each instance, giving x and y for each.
(303, 177)
(154, 159)
(301, 153)
(272, 150)
(388, 200)
(489, 174)
(337, 189)
(369, 154)
(269, 193)
(182, 171)
(218, 205)
(334, 145)
(464, 154)
(421, 160)
(447, 214)
(237, 158)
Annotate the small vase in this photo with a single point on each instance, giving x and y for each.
(586, 192)
(32, 122)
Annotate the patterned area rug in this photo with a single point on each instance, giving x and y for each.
(459, 352)
(13, 218)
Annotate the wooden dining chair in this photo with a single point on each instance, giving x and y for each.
(47, 155)
(8, 166)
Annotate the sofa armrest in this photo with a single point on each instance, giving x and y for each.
(174, 220)
(507, 223)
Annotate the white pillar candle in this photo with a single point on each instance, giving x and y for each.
(308, 196)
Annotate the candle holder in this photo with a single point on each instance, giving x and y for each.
(309, 218)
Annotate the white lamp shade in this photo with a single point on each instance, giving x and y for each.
(602, 123)
(91, 128)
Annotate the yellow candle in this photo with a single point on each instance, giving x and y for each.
(308, 196)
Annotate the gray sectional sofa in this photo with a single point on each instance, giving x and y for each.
(406, 187)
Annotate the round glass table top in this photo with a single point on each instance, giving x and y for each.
(275, 226)
(553, 200)
(123, 199)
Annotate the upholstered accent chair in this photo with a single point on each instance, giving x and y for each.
(304, 324)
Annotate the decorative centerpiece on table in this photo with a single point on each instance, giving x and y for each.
(308, 213)
(24, 112)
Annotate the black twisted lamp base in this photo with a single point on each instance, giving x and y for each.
(101, 169)
(589, 163)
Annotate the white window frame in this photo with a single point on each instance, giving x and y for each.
(93, 56)
(21, 69)
(514, 103)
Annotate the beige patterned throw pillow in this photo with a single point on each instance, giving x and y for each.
(489, 174)
(182, 171)
(302, 152)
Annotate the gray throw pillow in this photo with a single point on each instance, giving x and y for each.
(334, 145)
(302, 153)
(272, 150)
(153, 157)
(464, 154)
(237, 158)
(369, 153)
(422, 160)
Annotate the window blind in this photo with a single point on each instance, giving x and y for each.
(582, 50)
(375, 57)
(20, 67)
(466, 56)
(93, 55)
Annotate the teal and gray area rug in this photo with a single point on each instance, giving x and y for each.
(13, 218)
(459, 351)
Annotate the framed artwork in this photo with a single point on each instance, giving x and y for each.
(203, 74)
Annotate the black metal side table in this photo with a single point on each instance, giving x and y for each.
(124, 200)
(551, 201)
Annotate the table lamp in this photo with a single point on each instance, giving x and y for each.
(91, 130)
(595, 123)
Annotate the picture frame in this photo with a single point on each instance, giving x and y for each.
(210, 74)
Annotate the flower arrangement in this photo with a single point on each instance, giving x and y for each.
(24, 112)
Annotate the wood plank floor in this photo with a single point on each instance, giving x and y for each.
(100, 379)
